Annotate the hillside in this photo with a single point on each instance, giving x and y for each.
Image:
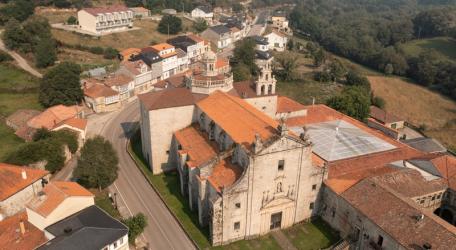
(445, 47)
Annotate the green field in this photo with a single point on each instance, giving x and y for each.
(18, 90)
(304, 91)
(444, 46)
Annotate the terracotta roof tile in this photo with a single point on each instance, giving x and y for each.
(21, 116)
(446, 165)
(54, 194)
(118, 80)
(75, 122)
(98, 90)
(286, 105)
(196, 145)
(220, 63)
(54, 115)
(231, 112)
(162, 46)
(169, 98)
(382, 116)
(106, 9)
(11, 180)
(196, 38)
(11, 237)
(396, 215)
(224, 174)
(127, 53)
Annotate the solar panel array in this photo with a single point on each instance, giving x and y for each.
(338, 139)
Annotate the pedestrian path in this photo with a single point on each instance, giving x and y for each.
(282, 240)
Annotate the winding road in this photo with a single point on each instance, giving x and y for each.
(134, 194)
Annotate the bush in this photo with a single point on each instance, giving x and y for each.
(72, 20)
(170, 24)
(5, 57)
(45, 53)
(136, 225)
(378, 102)
(110, 53)
(96, 50)
(353, 101)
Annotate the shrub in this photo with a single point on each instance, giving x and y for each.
(5, 57)
(110, 53)
(96, 50)
(72, 20)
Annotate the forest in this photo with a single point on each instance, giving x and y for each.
(370, 32)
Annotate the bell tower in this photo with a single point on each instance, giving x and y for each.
(266, 83)
(209, 61)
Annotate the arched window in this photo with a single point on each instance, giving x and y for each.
(202, 121)
(222, 141)
(211, 130)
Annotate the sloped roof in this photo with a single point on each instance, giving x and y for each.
(383, 116)
(220, 29)
(11, 180)
(21, 116)
(90, 228)
(205, 8)
(232, 113)
(54, 194)
(53, 115)
(98, 90)
(162, 46)
(118, 80)
(397, 216)
(196, 145)
(106, 9)
(11, 237)
(169, 98)
(286, 105)
(74, 122)
(425, 144)
(127, 53)
(224, 174)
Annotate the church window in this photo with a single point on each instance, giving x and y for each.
(433, 198)
(422, 201)
(238, 205)
(380, 240)
(281, 165)
(314, 187)
(279, 187)
(237, 225)
(167, 152)
(438, 196)
(311, 206)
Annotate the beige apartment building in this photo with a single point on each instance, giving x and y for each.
(102, 20)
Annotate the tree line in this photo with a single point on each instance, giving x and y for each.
(374, 36)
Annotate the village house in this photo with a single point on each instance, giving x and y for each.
(280, 22)
(26, 122)
(277, 41)
(169, 59)
(140, 12)
(127, 54)
(385, 122)
(204, 12)
(100, 98)
(219, 35)
(102, 20)
(18, 185)
(122, 84)
(17, 233)
(193, 45)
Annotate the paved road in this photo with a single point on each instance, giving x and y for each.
(20, 60)
(134, 194)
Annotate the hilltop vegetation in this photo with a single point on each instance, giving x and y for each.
(374, 37)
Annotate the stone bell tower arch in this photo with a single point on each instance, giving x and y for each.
(266, 82)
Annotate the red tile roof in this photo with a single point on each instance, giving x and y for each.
(286, 105)
(11, 180)
(196, 145)
(231, 113)
(118, 80)
(383, 116)
(224, 174)
(220, 63)
(98, 90)
(75, 123)
(54, 115)
(21, 116)
(169, 98)
(55, 193)
(162, 46)
(127, 53)
(11, 237)
(106, 9)
(446, 165)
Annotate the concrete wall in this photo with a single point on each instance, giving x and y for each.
(265, 104)
(87, 21)
(68, 207)
(157, 128)
(387, 130)
(16, 202)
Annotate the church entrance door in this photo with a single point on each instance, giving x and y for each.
(276, 221)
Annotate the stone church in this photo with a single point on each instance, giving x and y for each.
(243, 171)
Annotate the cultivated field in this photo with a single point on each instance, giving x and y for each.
(146, 35)
(444, 46)
(419, 106)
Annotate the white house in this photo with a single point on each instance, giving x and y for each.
(277, 41)
(103, 20)
(219, 35)
(168, 54)
(204, 12)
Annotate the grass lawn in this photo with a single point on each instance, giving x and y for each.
(135, 38)
(102, 200)
(85, 59)
(312, 235)
(304, 91)
(418, 105)
(444, 46)
(13, 79)
(264, 242)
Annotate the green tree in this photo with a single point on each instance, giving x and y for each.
(136, 225)
(45, 53)
(18, 9)
(241, 73)
(288, 65)
(61, 85)
(72, 20)
(355, 79)
(110, 53)
(200, 25)
(14, 36)
(353, 101)
(98, 164)
(319, 57)
(244, 54)
(337, 70)
(41, 134)
(170, 25)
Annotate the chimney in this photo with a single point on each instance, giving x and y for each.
(22, 227)
(24, 174)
